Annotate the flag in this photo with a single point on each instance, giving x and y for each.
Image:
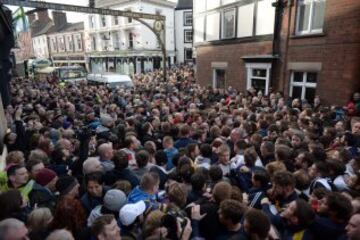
(20, 22)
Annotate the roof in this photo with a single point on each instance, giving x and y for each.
(40, 27)
(72, 27)
(184, 4)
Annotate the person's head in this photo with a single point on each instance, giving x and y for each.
(231, 212)
(250, 157)
(296, 139)
(34, 166)
(283, 184)
(222, 191)
(267, 148)
(105, 151)
(336, 206)
(355, 127)
(17, 175)
(298, 213)
(15, 157)
(11, 203)
(198, 182)
(304, 160)
(61, 234)
(153, 225)
(92, 164)
(168, 142)
(105, 227)
(38, 154)
(260, 178)
(177, 194)
(282, 153)
(215, 173)
(94, 184)
(353, 227)
(130, 142)
(206, 150)
(256, 224)
(192, 150)
(69, 214)
(121, 160)
(39, 219)
(318, 169)
(131, 212)
(67, 185)
(47, 178)
(150, 182)
(13, 229)
(224, 154)
(142, 158)
(114, 200)
(185, 130)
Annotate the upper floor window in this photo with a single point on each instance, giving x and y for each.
(310, 16)
(188, 19)
(92, 21)
(103, 21)
(228, 23)
(188, 36)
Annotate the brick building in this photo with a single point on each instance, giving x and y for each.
(300, 47)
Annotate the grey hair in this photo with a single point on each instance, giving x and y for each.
(8, 224)
(61, 234)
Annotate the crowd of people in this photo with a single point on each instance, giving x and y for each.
(174, 160)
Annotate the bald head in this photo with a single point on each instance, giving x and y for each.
(105, 151)
(92, 164)
(12, 229)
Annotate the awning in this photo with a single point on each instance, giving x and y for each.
(46, 70)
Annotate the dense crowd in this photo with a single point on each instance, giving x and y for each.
(174, 160)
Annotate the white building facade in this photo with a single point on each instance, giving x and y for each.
(40, 46)
(184, 31)
(123, 45)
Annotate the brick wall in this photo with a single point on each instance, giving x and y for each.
(231, 54)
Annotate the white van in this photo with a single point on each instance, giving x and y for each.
(112, 80)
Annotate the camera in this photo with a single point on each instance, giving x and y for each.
(170, 221)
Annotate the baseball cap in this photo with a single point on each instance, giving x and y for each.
(130, 212)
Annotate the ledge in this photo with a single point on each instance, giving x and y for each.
(315, 35)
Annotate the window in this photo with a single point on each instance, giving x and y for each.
(188, 36)
(188, 19)
(129, 20)
(219, 78)
(303, 85)
(188, 52)
(258, 76)
(131, 40)
(228, 23)
(116, 41)
(103, 21)
(92, 21)
(78, 42)
(69, 43)
(53, 45)
(93, 43)
(61, 44)
(310, 16)
(116, 20)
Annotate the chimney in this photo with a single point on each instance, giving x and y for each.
(31, 17)
(43, 15)
(59, 19)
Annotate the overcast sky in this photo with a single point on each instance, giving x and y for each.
(71, 16)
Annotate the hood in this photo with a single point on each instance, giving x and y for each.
(95, 213)
(137, 195)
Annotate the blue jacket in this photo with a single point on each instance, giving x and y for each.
(170, 153)
(183, 142)
(137, 195)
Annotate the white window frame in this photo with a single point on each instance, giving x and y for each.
(185, 50)
(263, 66)
(186, 18)
(185, 38)
(234, 10)
(311, 15)
(92, 22)
(103, 17)
(304, 84)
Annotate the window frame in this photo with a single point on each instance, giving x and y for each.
(304, 84)
(214, 82)
(184, 15)
(249, 76)
(222, 19)
(192, 36)
(309, 30)
(187, 59)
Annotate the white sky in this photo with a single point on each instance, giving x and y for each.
(71, 16)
